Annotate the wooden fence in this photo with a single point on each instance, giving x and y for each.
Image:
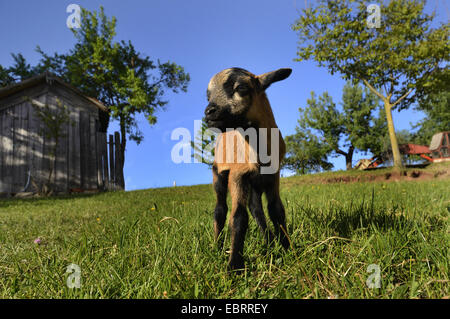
(110, 163)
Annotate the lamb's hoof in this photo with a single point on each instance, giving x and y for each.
(236, 266)
(285, 243)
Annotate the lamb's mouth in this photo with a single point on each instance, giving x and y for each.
(215, 124)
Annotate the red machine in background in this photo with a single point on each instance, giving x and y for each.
(438, 151)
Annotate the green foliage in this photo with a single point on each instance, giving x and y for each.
(332, 132)
(437, 117)
(19, 71)
(203, 152)
(305, 154)
(363, 119)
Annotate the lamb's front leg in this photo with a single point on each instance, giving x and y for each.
(220, 182)
(238, 221)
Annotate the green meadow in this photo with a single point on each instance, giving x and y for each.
(381, 239)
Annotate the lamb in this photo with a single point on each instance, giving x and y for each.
(238, 102)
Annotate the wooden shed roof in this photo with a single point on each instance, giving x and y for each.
(48, 78)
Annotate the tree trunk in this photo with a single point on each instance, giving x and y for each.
(349, 158)
(123, 145)
(394, 144)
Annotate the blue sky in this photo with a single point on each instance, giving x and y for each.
(204, 36)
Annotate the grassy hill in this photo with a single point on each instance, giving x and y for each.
(158, 243)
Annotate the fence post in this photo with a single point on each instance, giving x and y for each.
(118, 162)
(105, 160)
(99, 156)
(112, 180)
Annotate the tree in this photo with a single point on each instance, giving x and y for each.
(123, 79)
(437, 116)
(335, 132)
(305, 153)
(19, 71)
(202, 145)
(398, 61)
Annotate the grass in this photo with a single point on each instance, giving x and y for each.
(158, 243)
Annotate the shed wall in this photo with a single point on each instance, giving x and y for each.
(24, 149)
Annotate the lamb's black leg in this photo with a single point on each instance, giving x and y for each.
(276, 211)
(255, 206)
(238, 225)
(220, 182)
(238, 219)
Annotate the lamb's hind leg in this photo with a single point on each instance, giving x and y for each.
(220, 182)
(255, 206)
(276, 210)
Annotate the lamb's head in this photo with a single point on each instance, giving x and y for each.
(237, 97)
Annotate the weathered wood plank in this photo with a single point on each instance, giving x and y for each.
(74, 150)
(105, 160)
(15, 138)
(77, 150)
(93, 184)
(21, 140)
(1, 152)
(37, 145)
(118, 161)
(49, 158)
(26, 143)
(61, 161)
(112, 172)
(7, 149)
(29, 148)
(81, 102)
(99, 154)
(84, 149)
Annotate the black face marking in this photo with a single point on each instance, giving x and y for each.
(243, 89)
(234, 76)
(256, 85)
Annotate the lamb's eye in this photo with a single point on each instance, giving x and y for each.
(243, 89)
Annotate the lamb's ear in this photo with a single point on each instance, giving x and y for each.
(268, 78)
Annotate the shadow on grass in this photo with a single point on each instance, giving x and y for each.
(13, 201)
(344, 221)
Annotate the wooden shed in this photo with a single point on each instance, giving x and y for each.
(81, 159)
